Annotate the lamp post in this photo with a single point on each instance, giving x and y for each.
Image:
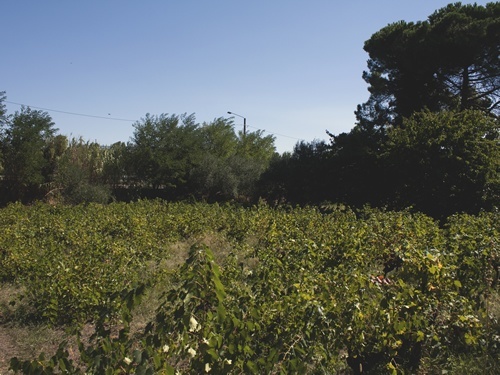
(244, 122)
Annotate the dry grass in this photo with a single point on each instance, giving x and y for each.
(20, 334)
(493, 306)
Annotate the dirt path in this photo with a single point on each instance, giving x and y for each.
(7, 349)
(26, 342)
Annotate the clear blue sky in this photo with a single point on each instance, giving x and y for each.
(292, 68)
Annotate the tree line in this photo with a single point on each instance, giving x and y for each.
(427, 137)
(168, 156)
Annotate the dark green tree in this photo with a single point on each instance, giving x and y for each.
(301, 177)
(212, 179)
(450, 61)
(27, 167)
(356, 168)
(232, 164)
(466, 48)
(443, 163)
(3, 110)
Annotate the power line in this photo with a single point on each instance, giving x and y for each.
(281, 135)
(121, 119)
(70, 113)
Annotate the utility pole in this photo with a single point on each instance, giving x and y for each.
(244, 122)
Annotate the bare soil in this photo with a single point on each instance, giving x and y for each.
(7, 350)
(26, 342)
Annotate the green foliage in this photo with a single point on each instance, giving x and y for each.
(164, 149)
(256, 146)
(80, 174)
(294, 176)
(26, 167)
(438, 163)
(3, 110)
(295, 292)
(115, 167)
(218, 138)
(474, 242)
(70, 259)
(445, 162)
(448, 62)
(175, 155)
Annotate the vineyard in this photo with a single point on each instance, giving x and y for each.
(174, 288)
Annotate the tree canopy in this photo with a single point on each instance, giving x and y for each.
(450, 61)
(163, 149)
(444, 162)
(426, 138)
(26, 137)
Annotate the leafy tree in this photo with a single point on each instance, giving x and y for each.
(212, 178)
(218, 138)
(449, 61)
(303, 176)
(252, 158)
(116, 162)
(356, 166)
(27, 135)
(467, 49)
(3, 110)
(53, 152)
(446, 162)
(257, 146)
(163, 151)
(243, 175)
(79, 176)
(231, 164)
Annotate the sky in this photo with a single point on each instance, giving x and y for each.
(292, 68)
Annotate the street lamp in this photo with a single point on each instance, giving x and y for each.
(244, 122)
